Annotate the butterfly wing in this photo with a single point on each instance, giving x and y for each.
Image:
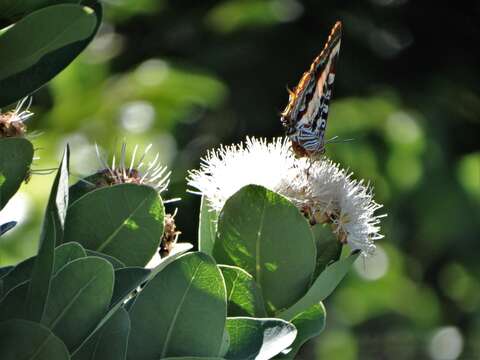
(305, 117)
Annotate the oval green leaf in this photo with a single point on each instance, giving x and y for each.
(323, 286)
(180, 312)
(12, 10)
(259, 339)
(127, 280)
(124, 221)
(52, 231)
(110, 343)
(265, 234)
(41, 45)
(117, 264)
(207, 227)
(243, 294)
(16, 156)
(22, 271)
(79, 298)
(12, 305)
(21, 339)
(309, 323)
(329, 248)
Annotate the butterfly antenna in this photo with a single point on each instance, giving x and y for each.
(337, 140)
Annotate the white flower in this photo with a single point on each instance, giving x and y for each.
(226, 170)
(323, 191)
(150, 173)
(329, 194)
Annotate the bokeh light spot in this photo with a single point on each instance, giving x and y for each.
(373, 267)
(137, 116)
(446, 343)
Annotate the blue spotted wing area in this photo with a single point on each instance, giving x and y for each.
(305, 117)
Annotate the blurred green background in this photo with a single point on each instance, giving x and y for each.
(189, 75)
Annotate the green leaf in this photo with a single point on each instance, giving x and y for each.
(21, 339)
(5, 270)
(265, 234)
(14, 9)
(110, 343)
(41, 45)
(19, 274)
(16, 156)
(12, 306)
(180, 312)
(243, 294)
(309, 323)
(66, 253)
(126, 281)
(252, 338)
(329, 248)
(22, 271)
(164, 263)
(117, 264)
(323, 286)
(131, 227)
(52, 231)
(7, 227)
(207, 227)
(79, 298)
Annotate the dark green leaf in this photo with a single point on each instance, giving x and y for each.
(323, 286)
(110, 343)
(252, 338)
(207, 227)
(66, 253)
(41, 45)
(309, 323)
(12, 306)
(265, 234)
(164, 263)
(85, 185)
(22, 271)
(5, 270)
(51, 235)
(14, 9)
(80, 295)
(131, 227)
(329, 248)
(243, 295)
(180, 312)
(25, 340)
(126, 281)
(117, 264)
(16, 156)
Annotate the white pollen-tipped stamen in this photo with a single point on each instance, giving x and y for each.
(145, 152)
(133, 160)
(122, 159)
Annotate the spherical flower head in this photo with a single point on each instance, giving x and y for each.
(226, 170)
(12, 122)
(323, 191)
(150, 173)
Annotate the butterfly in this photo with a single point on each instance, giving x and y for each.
(305, 116)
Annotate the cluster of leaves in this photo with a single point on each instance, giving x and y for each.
(87, 295)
